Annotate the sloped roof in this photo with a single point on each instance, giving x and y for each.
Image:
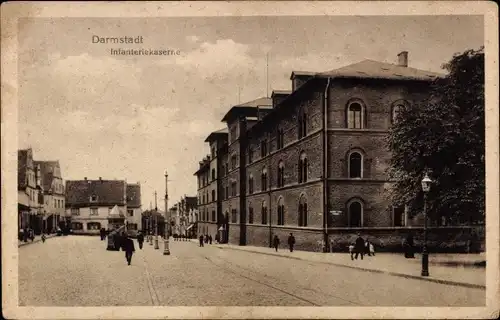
(248, 108)
(134, 195)
(108, 192)
(219, 133)
(381, 70)
(48, 170)
(22, 165)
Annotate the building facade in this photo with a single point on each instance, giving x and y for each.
(206, 223)
(96, 204)
(54, 199)
(29, 192)
(313, 161)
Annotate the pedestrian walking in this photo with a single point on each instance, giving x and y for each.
(359, 247)
(32, 235)
(351, 250)
(276, 242)
(43, 237)
(408, 247)
(201, 240)
(291, 242)
(210, 239)
(140, 239)
(372, 248)
(128, 247)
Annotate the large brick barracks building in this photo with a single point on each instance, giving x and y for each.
(311, 161)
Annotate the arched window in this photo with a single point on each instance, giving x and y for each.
(355, 214)
(279, 139)
(250, 214)
(302, 124)
(395, 111)
(264, 213)
(281, 212)
(302, 211)
(355, 116)
(281, 174)
(263, 185)
(355, 165)
(302, 168)
(250, 184)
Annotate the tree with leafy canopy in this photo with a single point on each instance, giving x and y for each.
(445, 137)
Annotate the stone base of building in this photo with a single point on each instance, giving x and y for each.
(458, 239)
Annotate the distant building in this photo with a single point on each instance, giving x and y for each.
(29, 192)
(311, 161)
(54, 197)
(96, 204)
(181, 213)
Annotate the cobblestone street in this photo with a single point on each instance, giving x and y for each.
(78, 271)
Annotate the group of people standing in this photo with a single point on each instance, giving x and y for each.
(206, 239)
(277, 241)
(361, 247)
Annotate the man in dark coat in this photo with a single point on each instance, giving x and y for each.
(408, 246)
(140, 239)
(291, 242)
(128, 247)
(359, 247)
(201, 240)
(210, 239)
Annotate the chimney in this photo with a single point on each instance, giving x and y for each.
(85, 178)
(403, 59)
(100, 178)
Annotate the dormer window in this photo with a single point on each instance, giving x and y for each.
(93, 198)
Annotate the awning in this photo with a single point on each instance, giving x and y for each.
(190, 226)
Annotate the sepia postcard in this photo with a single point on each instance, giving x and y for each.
(250, 160)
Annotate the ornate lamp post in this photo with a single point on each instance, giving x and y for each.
(426, 186)
(166, 250)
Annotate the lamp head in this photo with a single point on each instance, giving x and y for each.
(426, 183)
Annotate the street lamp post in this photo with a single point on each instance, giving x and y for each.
(166, 250)
(426, 186)
(156, 224)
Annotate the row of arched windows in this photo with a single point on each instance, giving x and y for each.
(302, 212)
(356, 113)
(302, 175)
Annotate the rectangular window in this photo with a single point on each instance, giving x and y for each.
(399, 216)
(250, 185)
(75, 211)
(130, 212)
(234, 216)
(233, 162)
(250, 215)
(213, 215)
(94, 212)
(227, 192)
(233, 189)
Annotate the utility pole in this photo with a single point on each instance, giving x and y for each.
(166, 250)
(150, 233)
(156, 224)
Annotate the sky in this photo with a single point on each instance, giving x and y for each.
(133, 117)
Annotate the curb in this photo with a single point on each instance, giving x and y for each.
(35, 241)
(397, 274)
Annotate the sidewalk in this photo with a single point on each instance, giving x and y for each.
(443, 268)
(37, 239)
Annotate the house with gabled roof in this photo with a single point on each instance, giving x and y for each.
(53, 195)
(108, 204)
